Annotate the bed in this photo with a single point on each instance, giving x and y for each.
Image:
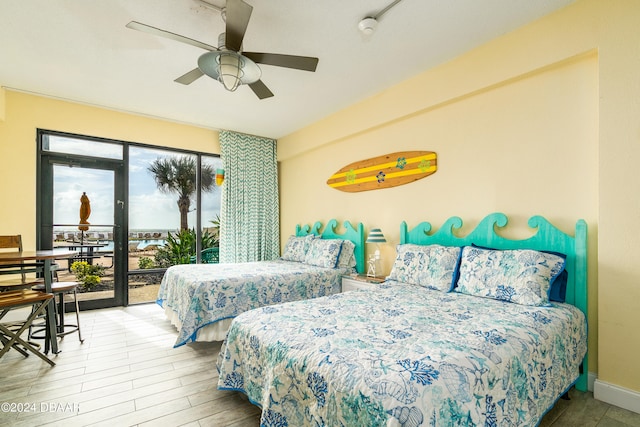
(201, 299)
(422, 353)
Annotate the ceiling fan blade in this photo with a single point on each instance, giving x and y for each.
(237, 18)
(305, 63)
(190, 77)
(261, 90)
(134, 25)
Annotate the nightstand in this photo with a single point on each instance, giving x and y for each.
(352, 283)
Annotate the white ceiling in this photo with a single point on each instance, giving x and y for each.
(80, 50)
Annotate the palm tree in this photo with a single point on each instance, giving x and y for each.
(177, 175)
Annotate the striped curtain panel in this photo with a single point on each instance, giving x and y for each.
(250, 211)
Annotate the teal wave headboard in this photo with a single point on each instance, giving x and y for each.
(355, 234)
(547, 238)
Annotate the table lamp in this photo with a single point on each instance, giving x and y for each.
(375, 236)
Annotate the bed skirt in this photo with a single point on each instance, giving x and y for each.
(213, 332)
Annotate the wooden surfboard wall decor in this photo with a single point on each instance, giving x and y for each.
(385, 171)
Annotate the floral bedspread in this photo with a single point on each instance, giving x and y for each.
(202, 294)
(403, 355)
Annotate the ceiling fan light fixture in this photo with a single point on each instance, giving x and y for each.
(230, 73)
(228, 64)
(229, 68)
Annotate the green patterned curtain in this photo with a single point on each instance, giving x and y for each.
(250, 211)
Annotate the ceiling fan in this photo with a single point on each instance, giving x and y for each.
(227, 62)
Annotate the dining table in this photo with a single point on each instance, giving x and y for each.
(44, 259)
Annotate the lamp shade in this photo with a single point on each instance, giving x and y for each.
(219, 177)
(376, 236)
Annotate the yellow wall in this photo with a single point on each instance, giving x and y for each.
(526, 146)
(25, 113)
(2, 103)
(543, 120)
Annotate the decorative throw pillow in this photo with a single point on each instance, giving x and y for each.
(519, 276)
(431, 266)
(347, 258)
(558, 284)
(324, 253)
(296, 248)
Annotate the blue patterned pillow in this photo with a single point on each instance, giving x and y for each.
(347, 258)
(519, 276)
(296, 248)
(558, 285)
(324, 253)
(431, 266)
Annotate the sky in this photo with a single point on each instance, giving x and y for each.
(149, 209)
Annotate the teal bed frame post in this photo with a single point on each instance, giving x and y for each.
(581, 297)
(547, 238)
(354, 234)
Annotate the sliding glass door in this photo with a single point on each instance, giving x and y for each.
(129, 210)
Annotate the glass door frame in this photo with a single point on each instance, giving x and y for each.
(121, 167)
(44, 214)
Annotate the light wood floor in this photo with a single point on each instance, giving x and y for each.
(128, 373)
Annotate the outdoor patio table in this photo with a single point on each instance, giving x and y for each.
(86, 251)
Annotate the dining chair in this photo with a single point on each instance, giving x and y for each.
(23, 277)
(10, 334)
(22, 270)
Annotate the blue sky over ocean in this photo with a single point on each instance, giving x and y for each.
(149, 209)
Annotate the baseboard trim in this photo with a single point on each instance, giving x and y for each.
(591, 379)
(617, 396)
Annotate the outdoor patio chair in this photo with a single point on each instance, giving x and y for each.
(208, 256)
(150, 248)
